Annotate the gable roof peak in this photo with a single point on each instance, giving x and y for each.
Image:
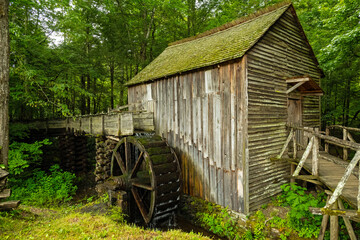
(235, 22)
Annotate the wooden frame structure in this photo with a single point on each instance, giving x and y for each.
(334, 206)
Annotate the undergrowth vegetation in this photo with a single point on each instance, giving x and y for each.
(29, 180)
(287, 217)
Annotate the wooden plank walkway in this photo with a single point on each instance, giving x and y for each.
(331, 169)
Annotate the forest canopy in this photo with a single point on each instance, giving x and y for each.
(73, 57)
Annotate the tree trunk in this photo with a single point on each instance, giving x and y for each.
(94, 98)
(4, 81)
(112, 66)
(82, 101)
(88, 102)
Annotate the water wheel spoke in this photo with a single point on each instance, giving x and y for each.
(142, 185)
(120, 162)
(139, 202)
(127, 155)
(137, 165)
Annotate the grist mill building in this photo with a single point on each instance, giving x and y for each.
(222, 100)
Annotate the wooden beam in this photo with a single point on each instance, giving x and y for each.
(9, 204)
(351, 214)
(343, 180)
(3, 173)
(298, 79)
(295, 87)
(304, 157)
(286, 144)
(5, 193)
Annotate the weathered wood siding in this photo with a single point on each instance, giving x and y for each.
(282, 52)
(200, 115)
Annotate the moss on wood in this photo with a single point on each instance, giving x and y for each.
(221, 46)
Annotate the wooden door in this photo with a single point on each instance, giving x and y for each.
(294, 112)
(295, 116)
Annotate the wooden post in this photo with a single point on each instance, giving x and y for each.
(345, 151)
(324, 224)
(304, 157)
(315, 155)
(347, 222)
(334, 224)
(294, 145)
(327, 132)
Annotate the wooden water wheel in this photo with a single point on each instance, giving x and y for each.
(148, 170)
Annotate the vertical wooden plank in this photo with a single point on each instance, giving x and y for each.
(206, 179)
(226, 120)
(201, 174)
(194, 107)
(238, 113)
(227, 189)
(234, 199)
(181, 107)
(244, 127)
(199, 108)
(158, 102)
(240, 191)
(191, 169)
(220, 186)
(217, 113)
(211, 129)
(212, 187)
(165, 112)
(176, 126)
(196, 171)
(205, 127)
(233, 116)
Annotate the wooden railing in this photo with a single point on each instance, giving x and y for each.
(311, 137)
(114, 123)
(347, 136)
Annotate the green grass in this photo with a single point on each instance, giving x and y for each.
(68, 223)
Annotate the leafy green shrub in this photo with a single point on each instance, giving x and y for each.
(45, 189)
(22, 155)
(299, 217)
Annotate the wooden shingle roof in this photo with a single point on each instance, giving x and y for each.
(221, 46)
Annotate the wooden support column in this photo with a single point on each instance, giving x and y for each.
(292, 166)
(327, 132)
(294, 146)
(334, 224)
(315, 155)
(324, 224)
(347, 222)
(345, 151)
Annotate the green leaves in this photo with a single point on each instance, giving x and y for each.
(299, 216)
(22, 155)
(45, 189)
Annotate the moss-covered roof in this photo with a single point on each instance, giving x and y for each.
(208, 50)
